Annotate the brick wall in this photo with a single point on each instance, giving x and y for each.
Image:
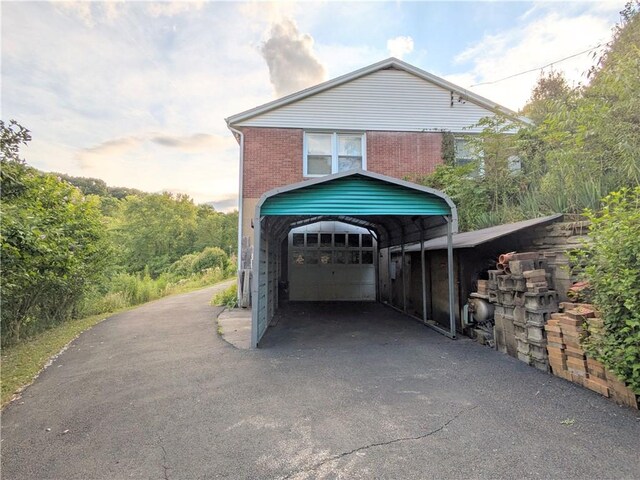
(403, 154)
(273, 156)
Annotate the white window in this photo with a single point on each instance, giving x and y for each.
(326, 153)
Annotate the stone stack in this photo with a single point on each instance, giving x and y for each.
(523, 302)
(568, 360)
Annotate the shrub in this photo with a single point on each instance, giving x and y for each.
(210, 257)
(228, 297)
(611, 264)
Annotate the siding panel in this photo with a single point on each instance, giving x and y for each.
(392, 100)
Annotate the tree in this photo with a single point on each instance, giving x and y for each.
(550, 88)
(154, 231)
(53, 243)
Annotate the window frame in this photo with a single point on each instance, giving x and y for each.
(334, 150)
(456, 158)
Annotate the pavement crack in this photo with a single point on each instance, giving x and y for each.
(340, 456)
(165, 467)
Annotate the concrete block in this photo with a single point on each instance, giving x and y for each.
(519, 266)
(535, 333)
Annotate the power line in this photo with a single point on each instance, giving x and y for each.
(538, 68)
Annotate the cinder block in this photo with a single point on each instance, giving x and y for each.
(524, 357)
(537, 317)
(535, 333)
(519, 266)
(493, 275)
(546, 301)
(541, 365)
(538, 273)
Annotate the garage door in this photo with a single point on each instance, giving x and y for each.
(331, 261)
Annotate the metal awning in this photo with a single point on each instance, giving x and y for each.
(478, 237)
(395, 211)
(398, 212)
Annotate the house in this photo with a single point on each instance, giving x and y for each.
(323, 180)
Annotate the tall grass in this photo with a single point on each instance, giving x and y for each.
(128, 289)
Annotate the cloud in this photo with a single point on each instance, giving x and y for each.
(534, 42)
(92, 13)
(400, 46)
(79, 9)
(109, 148)
(117, 147)
(171, 9)
(197, 142)
(289, 55)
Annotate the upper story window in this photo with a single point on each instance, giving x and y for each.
(326, 153)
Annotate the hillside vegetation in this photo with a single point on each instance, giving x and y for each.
(73, 246)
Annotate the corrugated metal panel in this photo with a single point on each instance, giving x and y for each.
(478, 237)
(354, 195)
(383, 100)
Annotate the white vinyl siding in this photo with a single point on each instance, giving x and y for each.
(392, 100)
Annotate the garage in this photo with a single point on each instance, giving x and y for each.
(331, 261)
(327, 239)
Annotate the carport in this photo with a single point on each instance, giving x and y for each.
(396, 213)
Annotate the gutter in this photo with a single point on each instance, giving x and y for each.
(241, 175)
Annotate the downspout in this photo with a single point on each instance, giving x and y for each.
(240, 202)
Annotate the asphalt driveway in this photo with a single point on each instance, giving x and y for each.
(352, 392)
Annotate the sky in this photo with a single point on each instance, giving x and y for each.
(136, 93)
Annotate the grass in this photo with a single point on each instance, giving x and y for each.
(227, 297)
(21, 363)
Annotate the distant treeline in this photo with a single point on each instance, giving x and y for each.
(73, 246)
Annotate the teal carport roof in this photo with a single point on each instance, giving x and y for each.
(393, 207)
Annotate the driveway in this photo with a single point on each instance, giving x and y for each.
(357, 392)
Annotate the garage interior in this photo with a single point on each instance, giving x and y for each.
(329, 239)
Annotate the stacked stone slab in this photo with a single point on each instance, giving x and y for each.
(567, 359)
(523, 302)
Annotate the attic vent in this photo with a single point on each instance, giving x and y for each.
(391, 67)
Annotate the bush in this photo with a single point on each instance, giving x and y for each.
(228, 297)
(54, 248)
(611, 264)
(209, 258)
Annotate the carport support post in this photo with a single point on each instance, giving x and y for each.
(452, 316)
(390, 295)
(404, 289)
(424, 277)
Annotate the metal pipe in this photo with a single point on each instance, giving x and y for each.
(452, 316)
(240, 216)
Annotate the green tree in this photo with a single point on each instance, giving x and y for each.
(53, 244)
(216, 229)
(154, 231)
(611, 262)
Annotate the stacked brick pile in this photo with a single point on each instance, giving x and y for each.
(524, 301)
(568, 360)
